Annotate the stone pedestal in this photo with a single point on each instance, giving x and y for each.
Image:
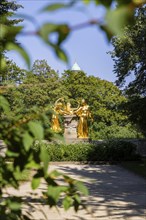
(70, 128)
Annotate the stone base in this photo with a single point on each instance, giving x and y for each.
(70, 128)
(76, 140)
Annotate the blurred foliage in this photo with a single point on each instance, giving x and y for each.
(118, 14)
(22, 124)
(20, 134)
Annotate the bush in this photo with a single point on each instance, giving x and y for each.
(70, 152)
(108, 151)
(114, 150)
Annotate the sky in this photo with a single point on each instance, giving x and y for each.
(87, 46)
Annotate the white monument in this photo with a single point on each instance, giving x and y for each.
(75, 67)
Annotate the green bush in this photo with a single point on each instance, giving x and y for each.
(70, 152)
(108, 151)
(114, 150)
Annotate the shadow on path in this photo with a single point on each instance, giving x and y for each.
(114, 192)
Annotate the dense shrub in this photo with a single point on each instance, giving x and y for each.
(70, 152)
(115, 150)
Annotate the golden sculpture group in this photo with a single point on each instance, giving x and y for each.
(82, 112)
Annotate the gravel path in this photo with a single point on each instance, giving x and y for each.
(115, 194)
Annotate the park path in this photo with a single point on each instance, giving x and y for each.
(115, 194)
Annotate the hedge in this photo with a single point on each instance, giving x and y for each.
(108, 151)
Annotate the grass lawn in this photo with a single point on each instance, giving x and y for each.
(138, 167)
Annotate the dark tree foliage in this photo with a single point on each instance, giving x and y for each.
(7, 8)
(12, 74)
(129, 55)
(137, 112)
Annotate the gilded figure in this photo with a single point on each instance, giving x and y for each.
(83, 113)
(58, 110)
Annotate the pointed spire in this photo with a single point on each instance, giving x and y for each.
(75, 67)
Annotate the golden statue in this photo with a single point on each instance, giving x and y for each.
(58, 109)
(67, 109)
(83, 113)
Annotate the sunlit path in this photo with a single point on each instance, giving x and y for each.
(115, 193)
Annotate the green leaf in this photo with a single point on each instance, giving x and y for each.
(46, 29)
(20, 50)
(77, 198)
(76, 205)
(33, 164)
(68, 179)
(82, 188)
(124, 2)
(4, 104)
(62, 30)
(139, 2)
(3, 31)
(55, 191)
(14, 30)
(11, 154)
(57, 6)
(86, 1)
(107, 31)
(55, 174)
(61, 54)
(77, 202)
(104, 2)
(62, 33)
(9, 32)
(27, 141)
(117, 19)
(44, 156)
(67, 202)
(2, 64)
(54, 7)
(35, 182)
(36, 129)
(15, 206)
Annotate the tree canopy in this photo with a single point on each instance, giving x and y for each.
(129, 56)
(43, 86)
